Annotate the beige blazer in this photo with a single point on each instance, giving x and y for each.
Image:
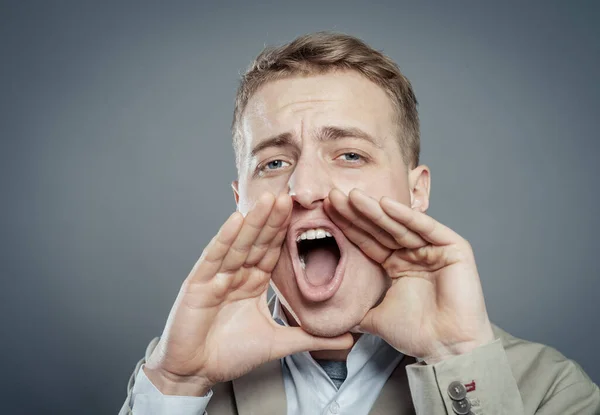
(510, 376)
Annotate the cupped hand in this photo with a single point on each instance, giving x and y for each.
(434, 308)
(220, 327)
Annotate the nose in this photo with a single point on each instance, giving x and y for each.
(309, 184)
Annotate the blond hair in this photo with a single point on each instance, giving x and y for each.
(322, 52)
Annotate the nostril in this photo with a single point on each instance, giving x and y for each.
(308, 194)
(307, 203)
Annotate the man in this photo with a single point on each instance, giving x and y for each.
(378, 308)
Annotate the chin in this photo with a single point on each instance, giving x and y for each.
(334, 325)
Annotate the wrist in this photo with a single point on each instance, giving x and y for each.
(171, 384)
(459, 349)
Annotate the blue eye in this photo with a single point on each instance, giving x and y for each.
(351, 156)
(276, 164)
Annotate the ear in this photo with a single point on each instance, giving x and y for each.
(236, 193)
(419, 181)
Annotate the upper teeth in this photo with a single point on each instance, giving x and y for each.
(317, 233)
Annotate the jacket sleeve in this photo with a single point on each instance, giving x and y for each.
(573, 394)
(483, 383)
(144, 398)
(480, 382)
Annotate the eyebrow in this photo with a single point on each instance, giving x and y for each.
(324, 134)
(332, 133)
(280, 140)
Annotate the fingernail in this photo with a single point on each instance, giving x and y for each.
(336, 193)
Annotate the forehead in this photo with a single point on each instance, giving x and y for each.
(304, 103)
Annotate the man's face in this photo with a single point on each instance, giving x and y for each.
(307, 136)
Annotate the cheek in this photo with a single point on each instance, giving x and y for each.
(395, 187)
(283, 274)
(251, 190)
(363, 271)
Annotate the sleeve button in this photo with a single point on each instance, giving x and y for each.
(457, 391)
(461, 407)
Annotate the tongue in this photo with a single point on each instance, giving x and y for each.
(320, 265)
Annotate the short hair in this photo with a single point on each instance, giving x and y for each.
(323, 52)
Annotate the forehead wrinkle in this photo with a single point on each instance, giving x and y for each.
(302, 101)
(279, 102)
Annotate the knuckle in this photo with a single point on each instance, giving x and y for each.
(260, 247)
(256, 254)
(243, 249)
(400, 236)
(379, 217)
(430, 256)
(363, 242)
(256, 226)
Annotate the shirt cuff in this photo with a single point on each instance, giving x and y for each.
(148, 400)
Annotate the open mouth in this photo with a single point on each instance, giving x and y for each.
(319, 255)
(318, 258)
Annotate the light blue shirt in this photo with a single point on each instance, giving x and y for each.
(308, 389)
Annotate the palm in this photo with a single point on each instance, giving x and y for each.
(435, 298)
(240, 328)
(219, 327)
(429, 305)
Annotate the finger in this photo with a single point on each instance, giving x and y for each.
(212, 257)
(270, 258)
(357, 236)
(342, 204)
(428, 258)
(373, 211)
(429, 229)
(290, 340)
(253, 224)
(279, 214)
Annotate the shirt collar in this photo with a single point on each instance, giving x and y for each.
(278, 314)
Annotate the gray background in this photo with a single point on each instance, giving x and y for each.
(116, 161)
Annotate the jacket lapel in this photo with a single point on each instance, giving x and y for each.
(261, 391)
(395, 397)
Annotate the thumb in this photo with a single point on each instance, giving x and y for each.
(290, 340)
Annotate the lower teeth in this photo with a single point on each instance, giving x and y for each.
(302, 262)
